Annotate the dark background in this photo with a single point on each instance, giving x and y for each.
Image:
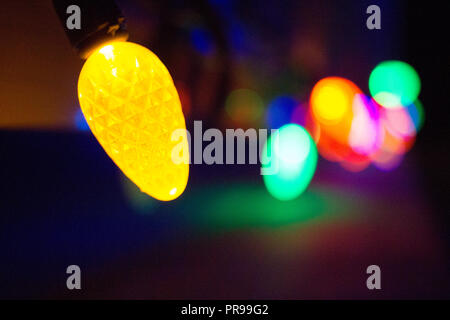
(64, 202)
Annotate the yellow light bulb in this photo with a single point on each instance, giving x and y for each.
(132, 107)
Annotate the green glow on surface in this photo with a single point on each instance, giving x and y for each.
(292, 157)
(244, 205)
(394, 84)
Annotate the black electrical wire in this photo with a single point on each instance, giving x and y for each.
(101, 22)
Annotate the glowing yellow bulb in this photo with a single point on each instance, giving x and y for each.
(132, 107)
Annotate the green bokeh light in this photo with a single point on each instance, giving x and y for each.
(394, 84)
(290, 155)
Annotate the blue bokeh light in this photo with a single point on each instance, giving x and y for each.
(280, 111)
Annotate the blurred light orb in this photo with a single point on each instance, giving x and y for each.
(202, 41)
(394, 84)
(244, 106)
(385, 160)
(303, 117)
(364, 137)
(392, 150)
(417, 114)
(399, 123)
(280, 111)
(332, 99)
(332, 105)
(290, 155)
(300, 115)
(185, 97)
(132, 107)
